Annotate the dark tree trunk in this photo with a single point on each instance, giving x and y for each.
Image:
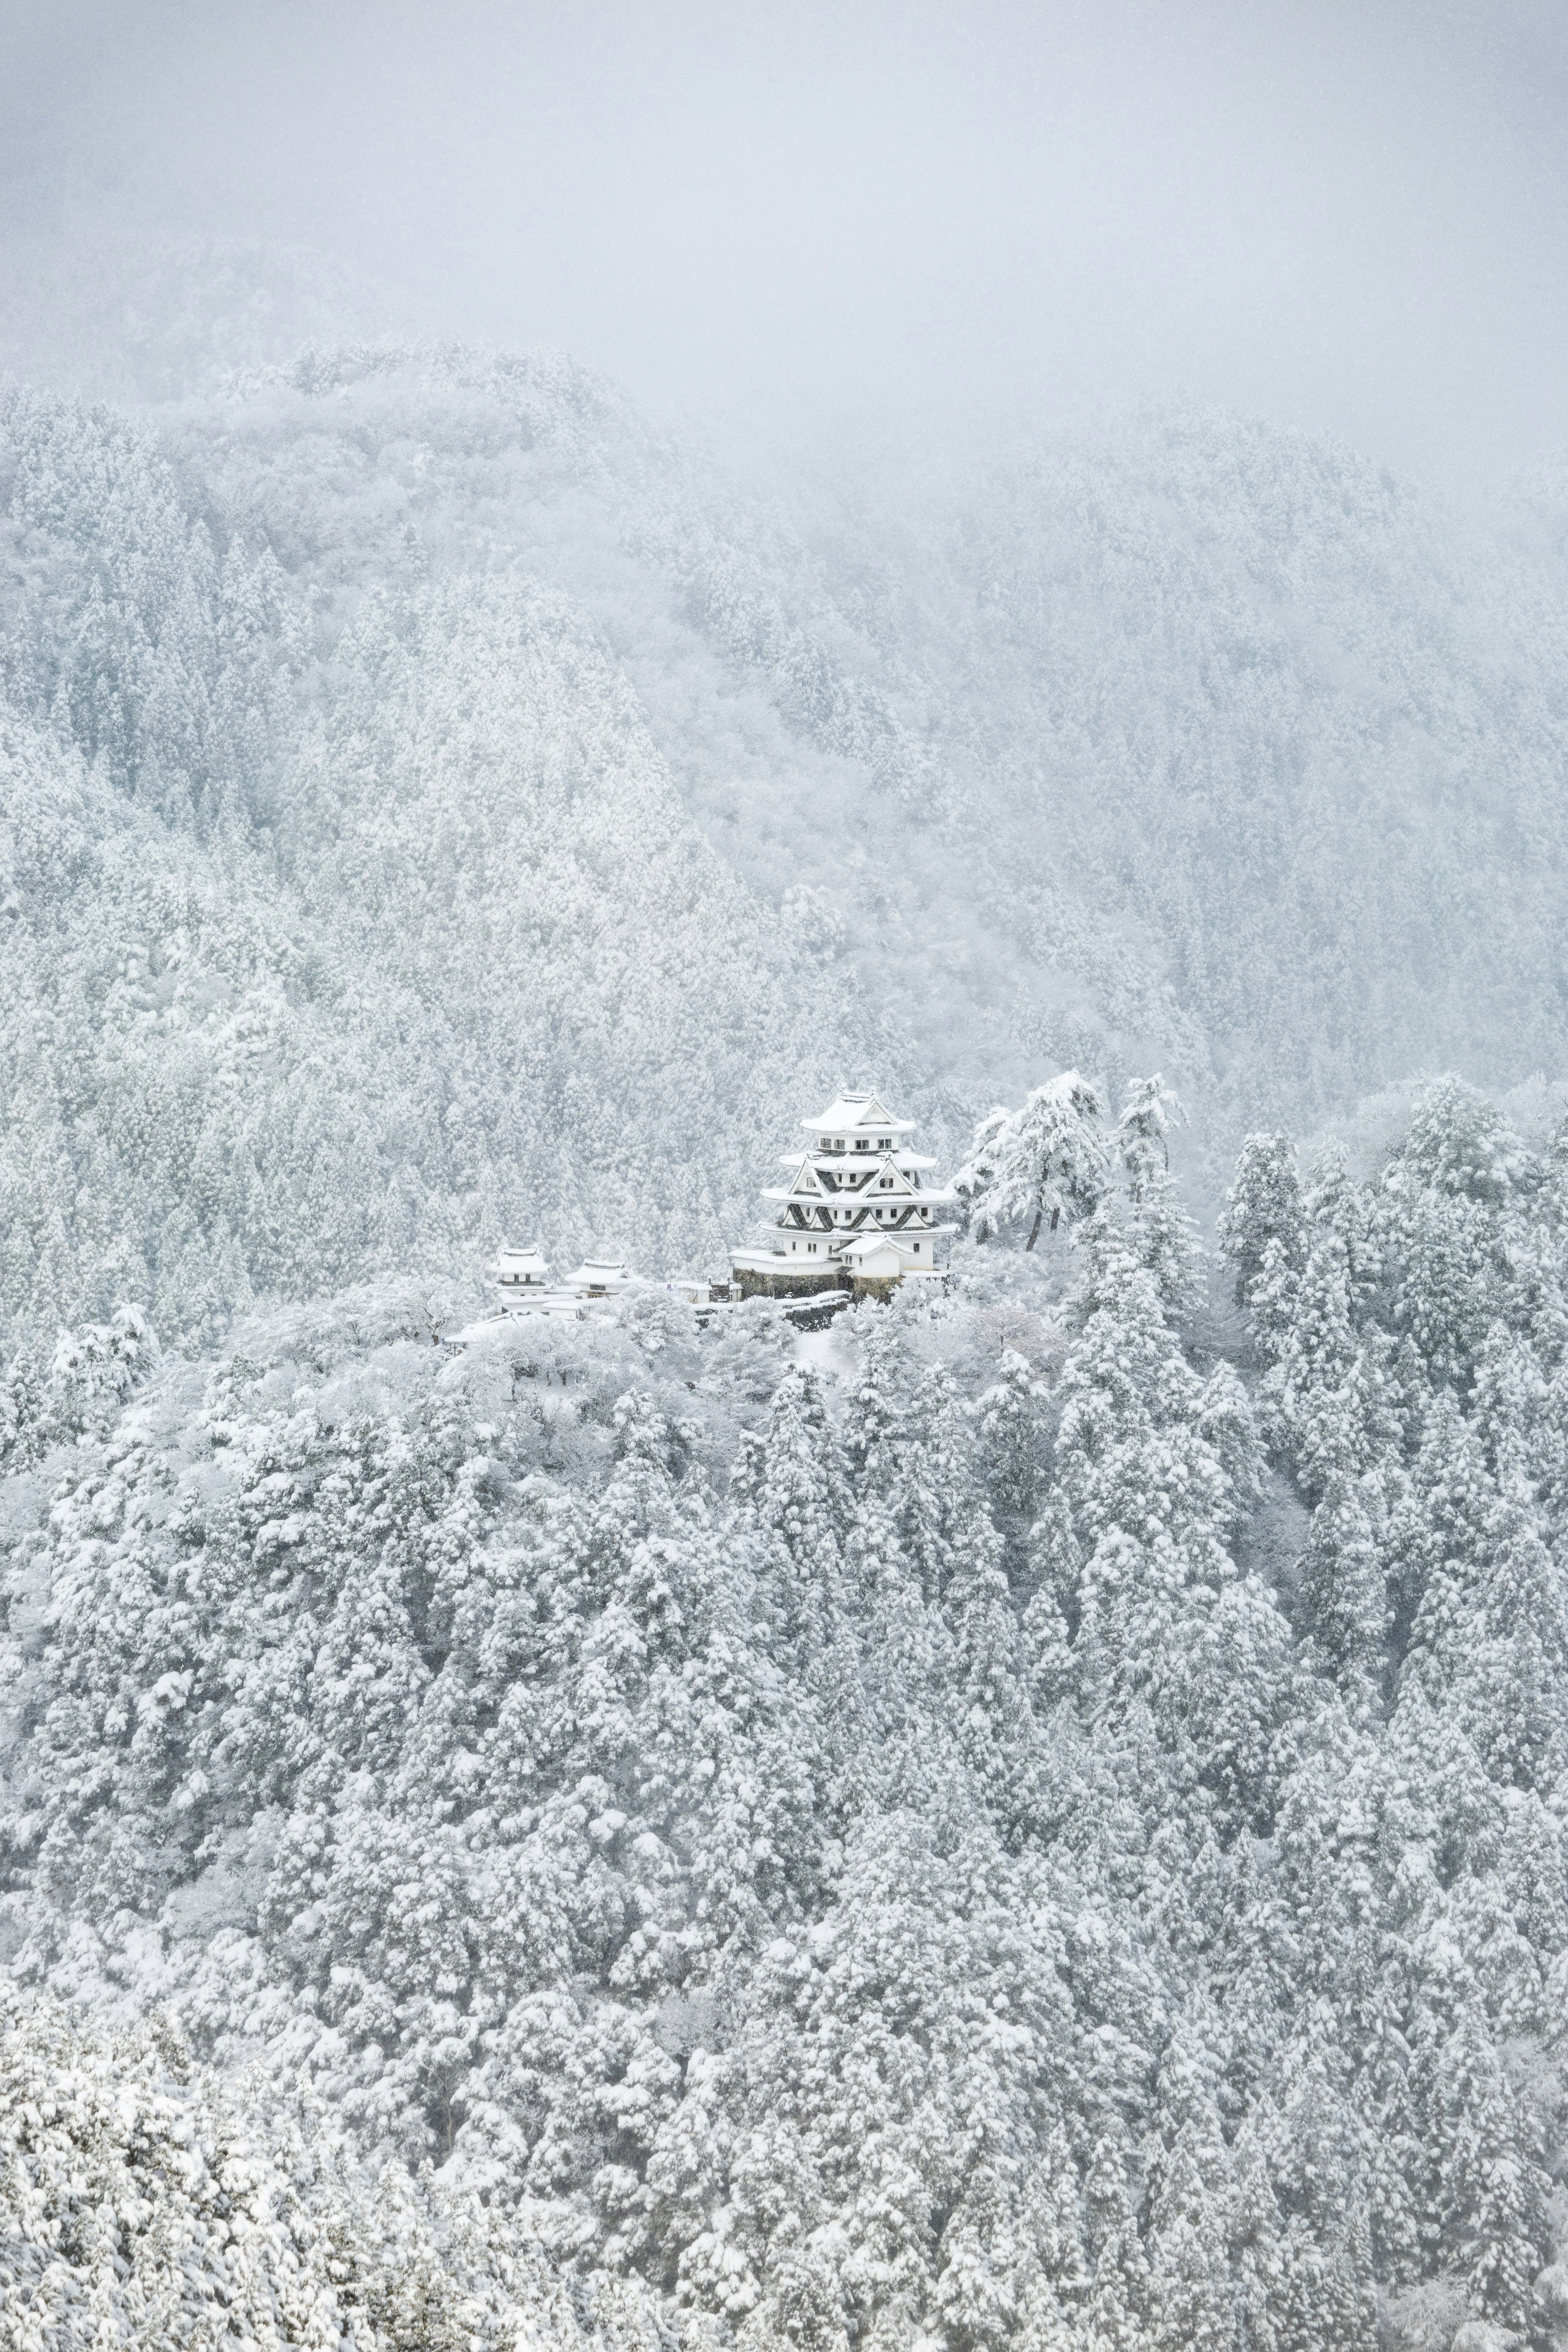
(1041, 1212)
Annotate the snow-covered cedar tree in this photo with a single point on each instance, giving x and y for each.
(1264, 1207)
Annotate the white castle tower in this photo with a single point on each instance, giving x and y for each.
(857, 1210)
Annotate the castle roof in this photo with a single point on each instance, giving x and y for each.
(838, 1160)
(856, 1114)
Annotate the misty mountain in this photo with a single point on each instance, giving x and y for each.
(1032, 1820)
(483, 814)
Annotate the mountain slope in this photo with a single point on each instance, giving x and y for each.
(355, 947)
(517, 820)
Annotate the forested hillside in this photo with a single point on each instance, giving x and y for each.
(136, 2209)
(440, 805)
(1054, 1839)
(1035, 1819)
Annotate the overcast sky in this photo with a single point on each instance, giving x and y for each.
(1352, 216)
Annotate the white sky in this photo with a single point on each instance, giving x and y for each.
(760, 215)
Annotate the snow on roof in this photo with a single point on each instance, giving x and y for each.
(885, 1175)
(866, 1245)
(855, 1112)
(600, 1274)
(522, 1265)
(823, 1156)
(533, 1305)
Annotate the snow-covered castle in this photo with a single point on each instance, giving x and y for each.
(857, 1214)
(857, 1210)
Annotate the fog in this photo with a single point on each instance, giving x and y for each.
(764, 218)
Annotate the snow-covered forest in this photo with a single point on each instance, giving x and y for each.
(1035, 1817)
(1052, 1836)
(438, 806)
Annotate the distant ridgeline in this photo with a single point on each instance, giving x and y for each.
(368, 886)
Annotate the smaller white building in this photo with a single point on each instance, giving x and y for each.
(524, 1284)
(601, 1277)
(520, 1274)
(887, 1257)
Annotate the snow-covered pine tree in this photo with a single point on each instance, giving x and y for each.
(1046, 1158)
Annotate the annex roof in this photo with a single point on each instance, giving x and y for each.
(866, 1245)
(600, 1274)
(522, 1265)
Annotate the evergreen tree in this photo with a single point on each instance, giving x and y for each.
(1262, 1209)
(1162, 1235)
(1011, 1437)
(1344, 1584)
(1492, 2191)
(1034, 1163)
